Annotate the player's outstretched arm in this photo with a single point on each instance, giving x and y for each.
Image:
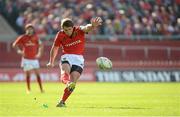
(53, 54)
(95, 22)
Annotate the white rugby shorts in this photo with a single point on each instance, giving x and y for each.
(73, 59)
(29, 64)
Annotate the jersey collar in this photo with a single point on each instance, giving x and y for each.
(72, 32)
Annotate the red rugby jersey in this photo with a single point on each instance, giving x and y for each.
(29, 44)
(71, 45)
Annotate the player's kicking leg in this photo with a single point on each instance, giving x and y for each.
(67, 92)
(65, 78)
(70, 84)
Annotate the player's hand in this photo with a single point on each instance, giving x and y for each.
(20, 52)
(50, 64)
(38, 56)
(96, 21)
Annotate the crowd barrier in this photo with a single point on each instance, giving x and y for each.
(133, 61)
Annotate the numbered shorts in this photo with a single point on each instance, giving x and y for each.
(29, 64)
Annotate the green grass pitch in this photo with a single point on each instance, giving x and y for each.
(92, 99)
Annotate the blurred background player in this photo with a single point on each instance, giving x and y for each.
(72, 41)
(30, 48)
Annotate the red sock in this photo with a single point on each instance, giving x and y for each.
(66, 94)
(65, 78)
(39, 82)
(28, 82)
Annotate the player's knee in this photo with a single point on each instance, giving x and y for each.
(65, 69)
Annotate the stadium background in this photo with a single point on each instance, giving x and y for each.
(141, 37)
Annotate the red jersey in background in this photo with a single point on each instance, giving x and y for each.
(29, 44)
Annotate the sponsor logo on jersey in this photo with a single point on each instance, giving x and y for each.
(30, 43)
(73, 43)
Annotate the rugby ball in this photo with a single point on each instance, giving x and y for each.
(104, 63)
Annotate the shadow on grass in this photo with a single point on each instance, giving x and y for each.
(109, 107)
